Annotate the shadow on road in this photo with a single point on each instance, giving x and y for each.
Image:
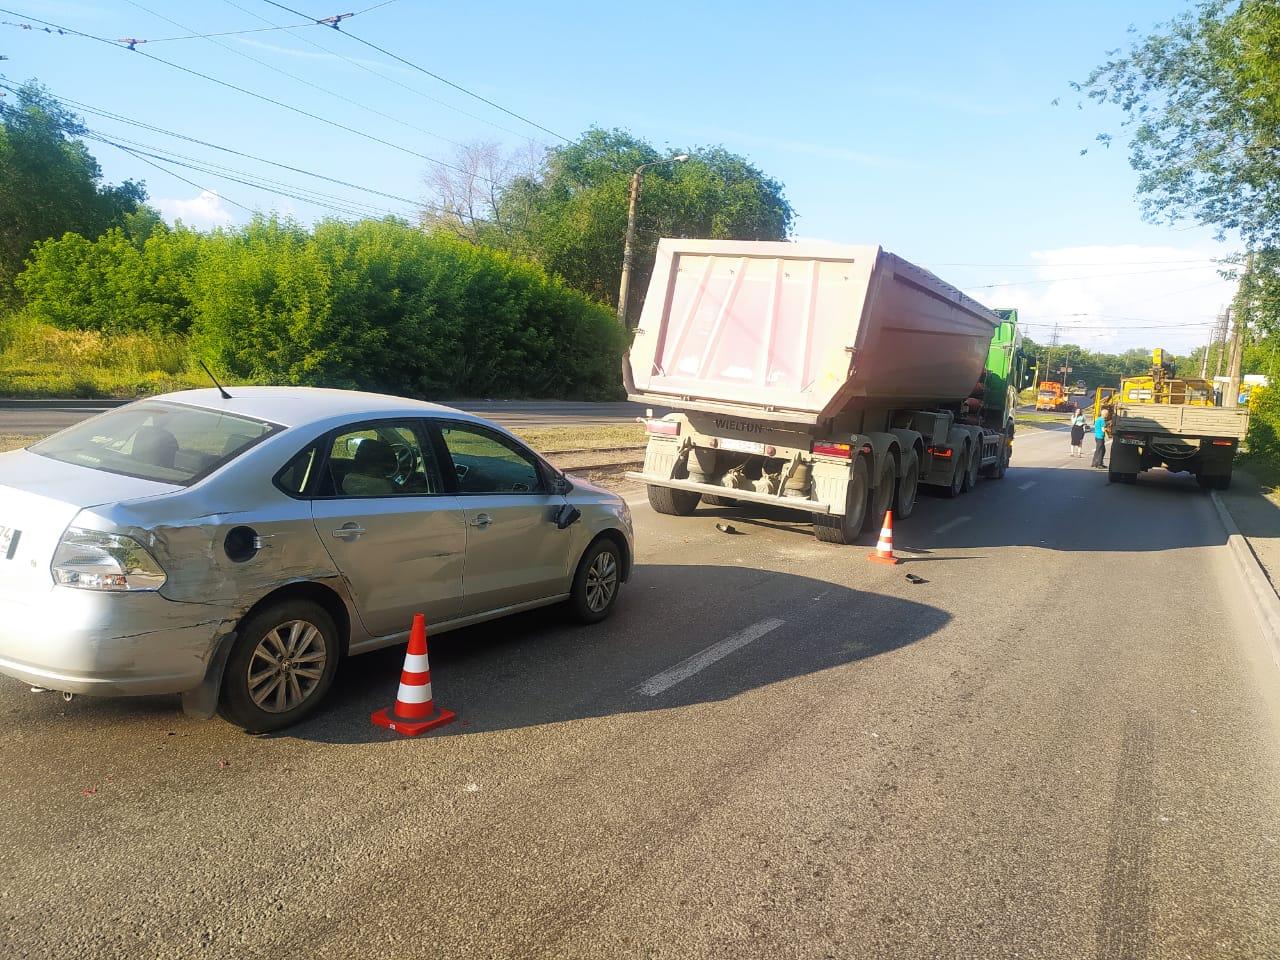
(536, 669)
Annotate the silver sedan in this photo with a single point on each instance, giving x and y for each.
(234, 550)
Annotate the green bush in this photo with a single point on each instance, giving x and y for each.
(375, 305)
(115, 283)
(1263, 440)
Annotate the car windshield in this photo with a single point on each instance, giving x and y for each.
(168, 442)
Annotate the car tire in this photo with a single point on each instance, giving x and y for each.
(830, 528)
(673, 503)
(299, 633)
(904, 503)
(597, 581)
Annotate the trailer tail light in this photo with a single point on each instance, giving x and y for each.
(842, 450)
(770, 451)
(662, 428)
(1224, 443)
(943, 452)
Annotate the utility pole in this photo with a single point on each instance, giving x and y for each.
(1220, 339)
(1208, 348)
(1241, 311)
(624, 285)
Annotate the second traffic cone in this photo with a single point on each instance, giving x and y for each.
(884, 549)
(414, 711)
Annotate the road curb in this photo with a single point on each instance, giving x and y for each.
(1266, 602)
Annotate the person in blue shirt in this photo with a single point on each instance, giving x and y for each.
(1100, 438)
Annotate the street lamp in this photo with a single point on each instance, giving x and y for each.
(625, 283)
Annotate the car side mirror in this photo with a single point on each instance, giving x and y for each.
(567, 516)
(561, 485)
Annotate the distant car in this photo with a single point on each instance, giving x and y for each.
(235, 550)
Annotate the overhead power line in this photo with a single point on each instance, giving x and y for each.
(335, 24)
(1091, 276)
(178, 176)
(1100, 263)
(210, 36)
(381, 76)
(257, 96)
(302, 80)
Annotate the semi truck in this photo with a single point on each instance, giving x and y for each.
(827, 380)
(1162, 420)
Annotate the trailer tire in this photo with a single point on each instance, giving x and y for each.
(830, 528)
(673, 503)
(881, 498)
(908, 486)
(972, 468)
(715, 500)
(1224, 482)
(957, 479)
(1113, 477)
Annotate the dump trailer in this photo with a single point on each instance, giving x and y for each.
(1161, 420)
(827, 380)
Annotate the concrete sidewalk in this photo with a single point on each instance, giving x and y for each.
(1257, 514)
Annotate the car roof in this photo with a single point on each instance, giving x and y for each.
(297, 406)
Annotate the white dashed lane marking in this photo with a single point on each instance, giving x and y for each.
(700, 661)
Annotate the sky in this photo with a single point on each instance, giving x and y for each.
(929, 128)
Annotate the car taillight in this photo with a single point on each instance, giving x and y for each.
(1224, 443)
(842, 450)
(662, 428)
(944, 452)
(91, 560)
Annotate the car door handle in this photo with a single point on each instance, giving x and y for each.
(481, 520)
(349, 531)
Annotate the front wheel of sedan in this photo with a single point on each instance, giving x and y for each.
(596, 584)
(282, 665)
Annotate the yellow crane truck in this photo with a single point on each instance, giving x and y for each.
(1161, 420)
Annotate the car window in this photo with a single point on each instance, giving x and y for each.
(487, 463)
(380, 460)
(296, 475)
(168, 442)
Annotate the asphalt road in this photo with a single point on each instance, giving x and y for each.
(1064, 744)
(513, 414)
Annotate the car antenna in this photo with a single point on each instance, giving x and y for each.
(225, 395)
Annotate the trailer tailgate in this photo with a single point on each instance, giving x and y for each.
(1182, 420)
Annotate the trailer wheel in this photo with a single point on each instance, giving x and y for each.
(674, 503)
(957, 479)
(971, 468)
(715, 500)
(881, 497)
(908, 486)
(1224, 482)
(830, 528)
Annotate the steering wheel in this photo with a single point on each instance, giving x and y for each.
(406, 461)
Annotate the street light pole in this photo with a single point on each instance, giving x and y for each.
(633, 200)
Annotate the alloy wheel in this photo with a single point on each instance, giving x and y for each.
(287, 666)
(602, 581)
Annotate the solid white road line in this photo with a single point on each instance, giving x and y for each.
(950, 524)
(700, 661)
(1028, 485)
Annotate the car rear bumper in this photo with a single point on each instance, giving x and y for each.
(107, 644)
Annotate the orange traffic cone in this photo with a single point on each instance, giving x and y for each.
(884, 549)
(414, 711)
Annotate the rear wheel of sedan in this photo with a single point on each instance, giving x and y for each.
(281, 667)
(595, 585)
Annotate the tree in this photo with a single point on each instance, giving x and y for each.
(465, 196)
(1201, 99)
(570, 214)
(49, 182)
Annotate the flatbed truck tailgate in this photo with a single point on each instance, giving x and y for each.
(1181, 420)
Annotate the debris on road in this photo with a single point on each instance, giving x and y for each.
(727, 528)
(914, 579)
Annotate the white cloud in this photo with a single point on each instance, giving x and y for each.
(1113, 298)
(203, 211)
